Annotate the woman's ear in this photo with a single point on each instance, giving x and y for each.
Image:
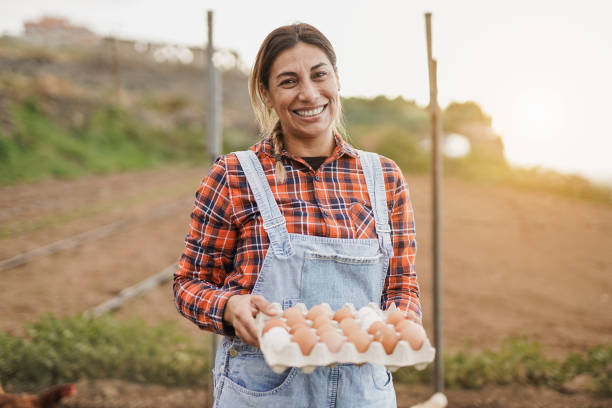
(265, 95)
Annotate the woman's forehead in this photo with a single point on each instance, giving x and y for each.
(300, 57)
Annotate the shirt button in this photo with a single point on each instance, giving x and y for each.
(233, 352)
(317, 178)
(221, 368)
(325, 213)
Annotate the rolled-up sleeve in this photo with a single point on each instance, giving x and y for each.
(208, 256)
(401, 286)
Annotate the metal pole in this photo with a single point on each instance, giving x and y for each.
(438, 377)
(115, 62)
(213, 130)
(213, 123)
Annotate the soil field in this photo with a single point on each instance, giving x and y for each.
(514, 262)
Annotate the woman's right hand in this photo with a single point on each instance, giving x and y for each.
(240, 312)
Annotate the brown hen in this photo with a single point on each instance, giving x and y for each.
(46, 399)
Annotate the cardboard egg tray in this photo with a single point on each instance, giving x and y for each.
(290, 354)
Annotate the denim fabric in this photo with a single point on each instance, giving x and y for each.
(310, 269)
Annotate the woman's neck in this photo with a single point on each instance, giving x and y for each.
(310, 147)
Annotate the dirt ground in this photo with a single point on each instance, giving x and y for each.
(120, 394)
(515, 263)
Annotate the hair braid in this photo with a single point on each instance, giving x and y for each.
(277, 144)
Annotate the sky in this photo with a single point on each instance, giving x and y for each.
(541, 68)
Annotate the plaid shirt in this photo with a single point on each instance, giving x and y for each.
(226, 244)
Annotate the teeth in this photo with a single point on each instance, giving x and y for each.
(310, 112)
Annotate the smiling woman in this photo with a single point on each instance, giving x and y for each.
(272, 224)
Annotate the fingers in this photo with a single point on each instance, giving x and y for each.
(240, 313)
(413, 316)
(246, 329)
(262, 305)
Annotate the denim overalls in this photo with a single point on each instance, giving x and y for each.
(311, 270)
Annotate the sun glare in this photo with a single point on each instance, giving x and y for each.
(536, 125)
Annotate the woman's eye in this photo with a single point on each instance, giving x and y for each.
(287, 82)
(320, 74)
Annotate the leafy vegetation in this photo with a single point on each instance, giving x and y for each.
(65, 350)
(519, 361)
(111, 139)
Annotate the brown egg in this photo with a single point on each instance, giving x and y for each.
(414, 334)
(298, 324)
(332, 340)
(388, 338)
(399, 327)
(342, 314)
(326, 328)
(275, 322)
(306, 339)
(321, 320)
(376, 326)
(348, 322)
(359, 338)
(316, 311)
(395, 317)
(293, 315)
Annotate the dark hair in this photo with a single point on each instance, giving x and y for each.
(279, 40)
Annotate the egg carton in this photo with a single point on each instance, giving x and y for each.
(290, 354)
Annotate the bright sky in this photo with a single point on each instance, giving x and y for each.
(541, 68)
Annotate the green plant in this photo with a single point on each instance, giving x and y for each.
(66, 349)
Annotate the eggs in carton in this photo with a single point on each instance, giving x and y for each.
(304, 338)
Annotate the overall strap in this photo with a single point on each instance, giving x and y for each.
(273, 220)
(375, 182)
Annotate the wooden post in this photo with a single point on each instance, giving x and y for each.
(213, 123)
(438, 375)
(115, 62)
(213, 130)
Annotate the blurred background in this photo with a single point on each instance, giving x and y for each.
(103, 115)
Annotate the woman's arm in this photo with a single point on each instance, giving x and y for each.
(401, 285)
(208, 257)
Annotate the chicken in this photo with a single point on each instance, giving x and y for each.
(47, 399)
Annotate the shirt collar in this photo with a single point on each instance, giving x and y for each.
(342, 147)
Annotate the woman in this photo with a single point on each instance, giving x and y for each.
(301, 216)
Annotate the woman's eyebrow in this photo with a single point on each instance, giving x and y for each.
(291, 73)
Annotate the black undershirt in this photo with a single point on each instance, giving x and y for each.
(315, 162)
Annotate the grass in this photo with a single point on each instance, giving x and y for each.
(112, 139)
(64, 350)
(519, 361)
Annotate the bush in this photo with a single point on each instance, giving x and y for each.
(519, 361)
(67, 349)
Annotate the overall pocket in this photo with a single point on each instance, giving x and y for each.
(249, 373)
(338, 279)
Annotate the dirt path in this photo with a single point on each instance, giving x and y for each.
(121, 394)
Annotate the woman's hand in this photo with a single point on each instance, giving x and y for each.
(240, 312)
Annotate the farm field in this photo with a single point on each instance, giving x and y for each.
(515, 263)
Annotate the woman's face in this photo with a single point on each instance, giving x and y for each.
(303, 90)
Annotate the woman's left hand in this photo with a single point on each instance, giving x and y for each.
(240, 312)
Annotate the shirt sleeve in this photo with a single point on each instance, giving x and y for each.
(208, 257)
(401, 286)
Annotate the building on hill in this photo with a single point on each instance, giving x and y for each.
(57, 31)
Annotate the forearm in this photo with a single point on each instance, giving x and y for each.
(201, 302)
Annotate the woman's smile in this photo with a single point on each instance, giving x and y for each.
(310, 113)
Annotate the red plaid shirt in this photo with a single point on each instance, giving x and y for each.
(226, 244)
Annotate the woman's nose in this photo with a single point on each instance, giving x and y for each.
(308, 90)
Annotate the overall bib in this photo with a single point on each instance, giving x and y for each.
(311, 270)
